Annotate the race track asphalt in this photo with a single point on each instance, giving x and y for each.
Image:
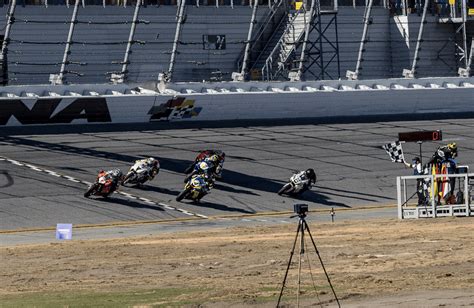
(353, 171)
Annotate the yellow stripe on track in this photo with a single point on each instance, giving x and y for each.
(166, 221)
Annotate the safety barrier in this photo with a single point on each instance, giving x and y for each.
(93, 103)
(459, 205)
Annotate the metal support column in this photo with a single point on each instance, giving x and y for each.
(67, 50)
(355, 74)
(253, 21)
(411, 72)
(323, 51)
(179, 22)
(308, 20)
(466, 70)
(123, 74)
(6, 41)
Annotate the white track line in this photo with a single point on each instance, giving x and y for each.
(75, 180)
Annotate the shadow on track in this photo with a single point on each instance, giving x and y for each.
(226, 188)
(157, 189)
(175, 165)
(9, 180)
(129, 203)
(311, 196)
(230, 177)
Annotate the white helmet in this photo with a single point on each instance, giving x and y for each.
(153, 162)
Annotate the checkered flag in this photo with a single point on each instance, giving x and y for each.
(180, 112)
(395, 151)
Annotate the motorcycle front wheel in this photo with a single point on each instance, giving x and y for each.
(286, 189)
(92, 189)
(127, 177)
(182, 195)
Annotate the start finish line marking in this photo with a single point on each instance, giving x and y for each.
(72, 179)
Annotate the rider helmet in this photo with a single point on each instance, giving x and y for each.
(214, 158)
(453, 147)
(153, 162)
(311, 174)
(117, 173)
(203, 166)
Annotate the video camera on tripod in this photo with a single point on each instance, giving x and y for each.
(300, 209)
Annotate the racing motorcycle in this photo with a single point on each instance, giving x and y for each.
(138, 174)
(195, 188)
(105, 184)
(218, 162)
(299, 183)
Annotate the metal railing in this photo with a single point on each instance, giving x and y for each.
(433, 207)
(267, 26)
(274, 57)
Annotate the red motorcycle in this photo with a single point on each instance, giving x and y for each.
(106, 183)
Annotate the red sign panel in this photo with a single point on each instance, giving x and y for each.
(435, 135)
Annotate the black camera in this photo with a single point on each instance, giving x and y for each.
(300, 208)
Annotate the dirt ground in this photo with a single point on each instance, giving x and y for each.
(375, 263)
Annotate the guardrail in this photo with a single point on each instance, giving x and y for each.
(433, 206)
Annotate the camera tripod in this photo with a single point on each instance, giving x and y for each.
(302, 226)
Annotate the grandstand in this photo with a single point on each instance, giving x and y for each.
(95, 41)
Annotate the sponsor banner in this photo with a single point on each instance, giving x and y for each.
(176, 108)
(54, 111)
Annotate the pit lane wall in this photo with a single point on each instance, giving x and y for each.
(91, 104)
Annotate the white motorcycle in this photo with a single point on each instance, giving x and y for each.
(299, 183)
(140, 173)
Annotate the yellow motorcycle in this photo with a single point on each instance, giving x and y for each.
(195, 188)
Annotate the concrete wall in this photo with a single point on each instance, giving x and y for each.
(119, 104)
